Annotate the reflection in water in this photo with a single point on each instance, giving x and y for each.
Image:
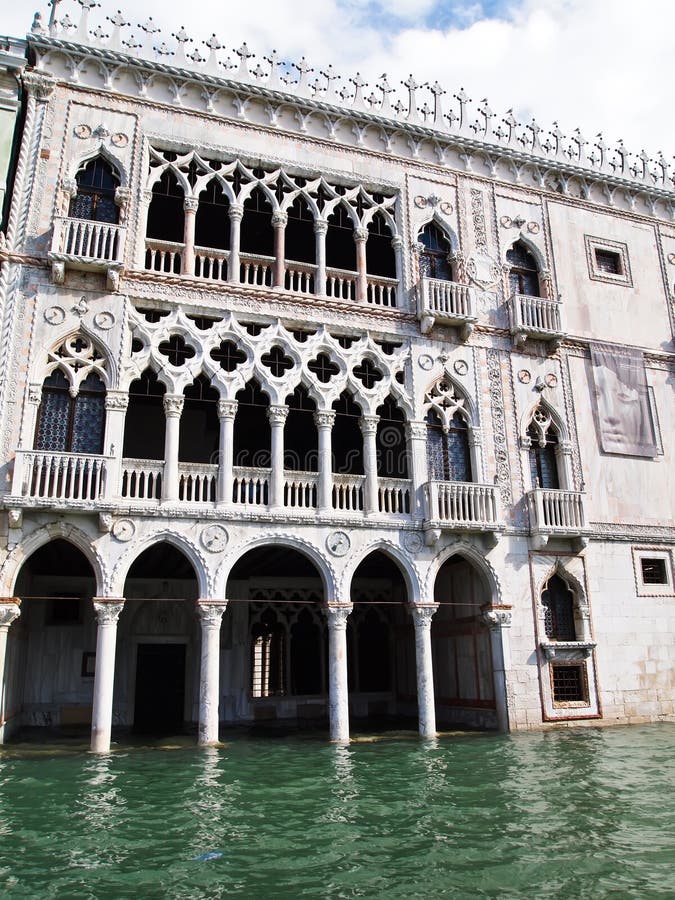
(561, 814)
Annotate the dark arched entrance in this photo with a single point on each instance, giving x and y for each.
(380, 645)
(157, 673)
(275, 638)
(49, 673)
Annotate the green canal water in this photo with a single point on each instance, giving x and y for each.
(563, 814)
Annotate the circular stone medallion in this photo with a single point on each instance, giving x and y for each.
(214, 538)
(124, 529)
(412, 542)
(338, 543)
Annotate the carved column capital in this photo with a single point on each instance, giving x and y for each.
(236, 211)
(173, 405)
(496, 617)
(320, 226)
(39, 86)
(277, 415)
(324, 418)
(146, 196)
(116, 400)
(423, 614)
(369, 424)
(210, 612)
(360, 234)
(9, 611)
(108, 610)
(35, 394)
(227, 409)
(337, 614)
(397, 242)
(416, 431)
(191, 204)
(279, 219)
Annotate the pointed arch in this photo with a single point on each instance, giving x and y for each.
(551, 413)
(192, 553)
(397, 556)
(476, 559)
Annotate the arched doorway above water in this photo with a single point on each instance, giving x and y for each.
(274, 642)
(51, 648)
(462, 648)
(157, 673)
(381, 645)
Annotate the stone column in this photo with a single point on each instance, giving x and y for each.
(190, 206)
(320, 231)
(9, 611)
(426, 699)
(397, 244)
(107, 613)
(277, 416)
(145, 198)
(116, 403)
(236, 214)
(369, 431)
(498, 620)
(173, 407)
(279, 220)
(416, 433)
(324, 420)
(360, 238)
(227, 410)
(210, 614)
(563, 459)
(338, 689)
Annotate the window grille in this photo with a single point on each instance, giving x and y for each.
(434, 257)
(569, 684)
(448, 452)
(71, 424)
(95, 197)
(543, 462)
(608, 261)
(524, 273)
(558, 603)
(653, 570)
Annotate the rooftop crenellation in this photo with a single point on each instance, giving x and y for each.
(410, 103)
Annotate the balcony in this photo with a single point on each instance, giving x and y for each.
(447, 303)
(535, 317)
(462, 507)
(74, 480)
(167, 258)
(557, 514)
(87, 246)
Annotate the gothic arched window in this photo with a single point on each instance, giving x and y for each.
(523, 271)
(448, 448)
(95, 198)
(68, 424)
(543, 462)
(558, 603)
(434, 257)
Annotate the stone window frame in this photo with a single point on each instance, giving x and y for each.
(653, 590)
(585, 702)
(624, 277)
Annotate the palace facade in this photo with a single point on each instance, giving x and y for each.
(320, 407)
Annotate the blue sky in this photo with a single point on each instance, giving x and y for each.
(602, 65)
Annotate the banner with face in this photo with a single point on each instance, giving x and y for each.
(622, 406)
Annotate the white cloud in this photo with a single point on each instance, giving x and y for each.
(589, 63)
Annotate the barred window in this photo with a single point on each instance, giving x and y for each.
(524, 272)
(543, 463)
(95, 197)
(448, 451)
(569, 684)
(69, 424)
(558, 603)
(434, 258)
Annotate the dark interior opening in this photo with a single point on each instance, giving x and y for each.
(300, 238)
(340, 246)
(380, 256)
(166, 217)
(212, 223)
(257, 233)
(301, 442)
(252, 436)
(199, 424)
(392, 451)
(347, 437)
(145, 422)
(160, 688)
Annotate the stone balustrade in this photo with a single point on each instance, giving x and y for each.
(556, 514)
(87, 245)
(446, 302)
(461, 507)
(535, 317)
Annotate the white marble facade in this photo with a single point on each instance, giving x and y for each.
(532, 571)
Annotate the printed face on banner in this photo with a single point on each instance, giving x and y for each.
(624, 417)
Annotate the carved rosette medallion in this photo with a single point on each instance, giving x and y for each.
(124, 530)
(214, 538)
(55, 315)
(338, 543)
(413, 542)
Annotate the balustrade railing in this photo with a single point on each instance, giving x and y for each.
(211, 265)
(43, 475)
(300, 490)
(463, 505)
(164, 256)
(348, 492)
(299, 277)
(250, 486)
(197, 482)
(447, 301)
(393, 495)
(557, 512)
(535, 315)
(256, 270)
(381, 291)
(142, 479)
(340, 284)
(88, 241)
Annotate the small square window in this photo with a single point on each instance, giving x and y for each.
(653, 570)
(608, 261)
(569, 684)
